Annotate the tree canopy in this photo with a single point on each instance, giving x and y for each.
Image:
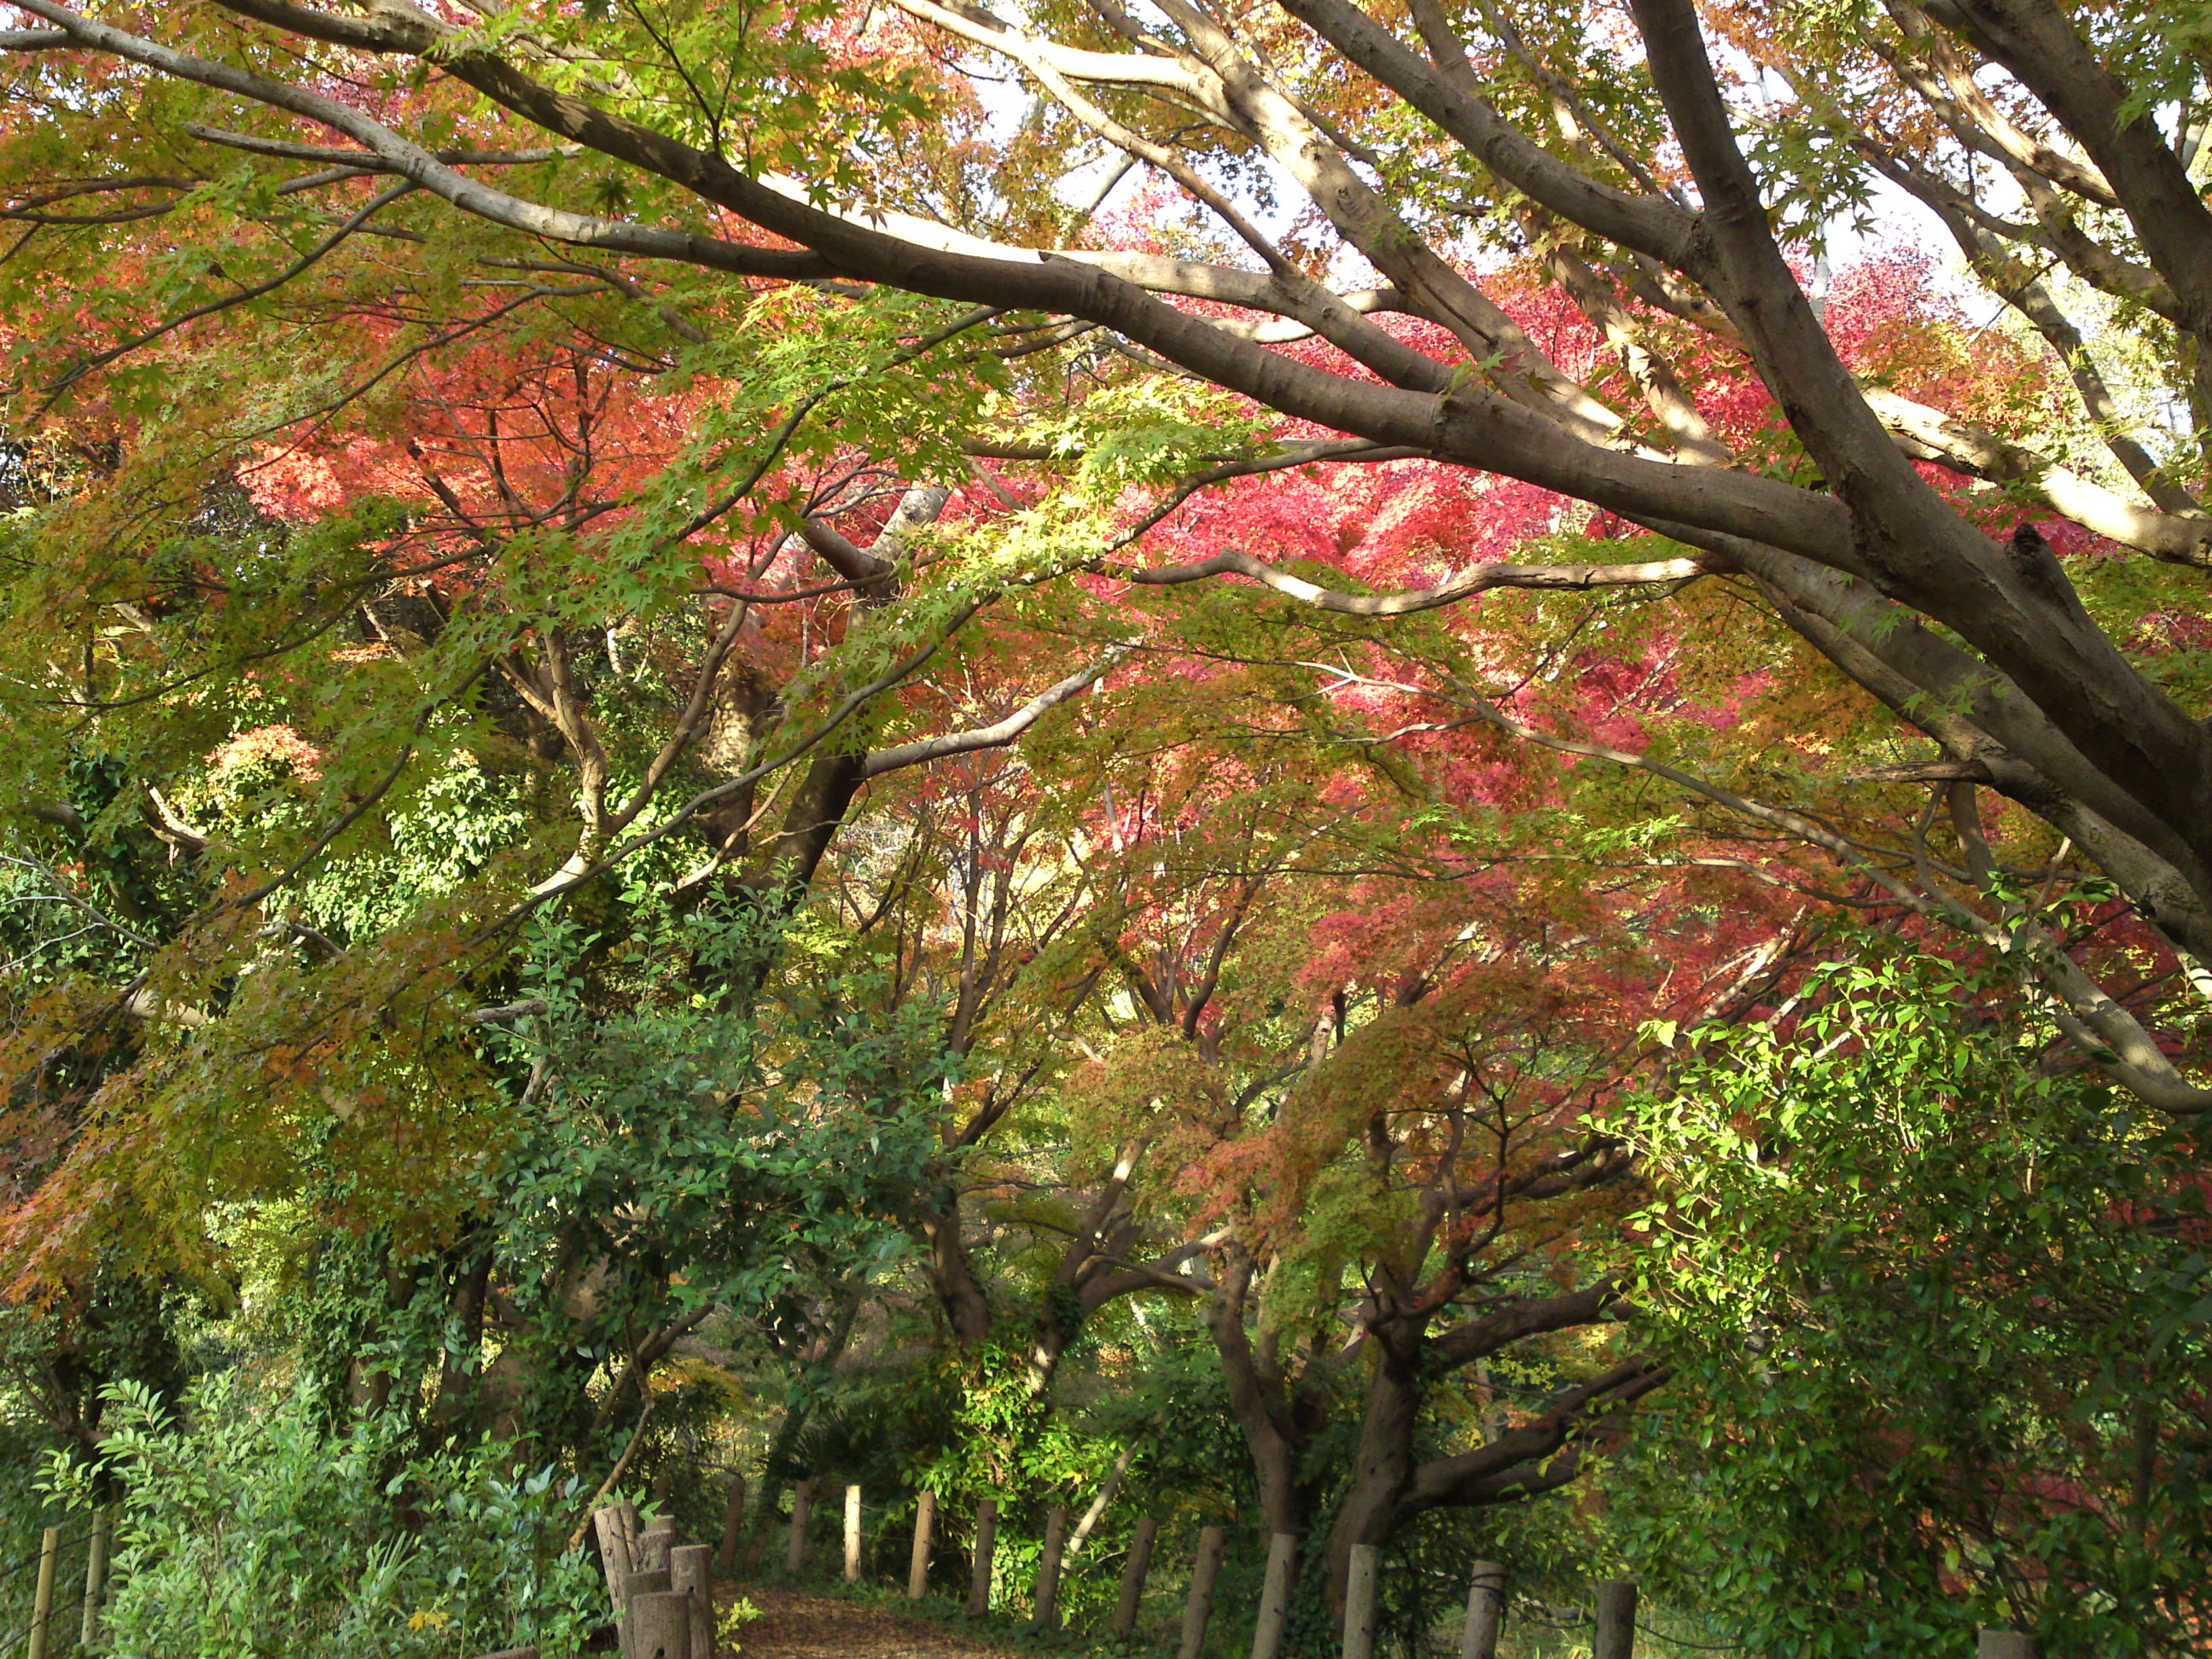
(1362, 770)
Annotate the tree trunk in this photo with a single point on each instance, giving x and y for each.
(1381, 1466)
(959, 1293)
(781, 876)
(1275, 1449)
(464, 1340)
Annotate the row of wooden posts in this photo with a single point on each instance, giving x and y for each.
(95, 1586)
(1614, 1623)
(664, 1605)
(666, 1611)
(1044, 1608)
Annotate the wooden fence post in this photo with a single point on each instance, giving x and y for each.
(979, 1572)
(2004, 1644)
(1275, 1595)
(42, 1599)
(636, 1589)
(1199, 1607)
(660, 1625)
(917, 1565)
(632, 1535)
(794, 1552)
(687, 1572)
(1485, 1612)
(614, 1552)
(1616, 1620)
(733, 1521)
(1360, 1603)
(655, 1543)
(1134, 1572)
(852, 1535)
(1044, 1611)
(95, 1579)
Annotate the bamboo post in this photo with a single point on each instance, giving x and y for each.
(979, 1572)
(2004, 1644)
(1045, 1611)
(1616, 1619)
(733, 1521)
(794, 1552)
(1360, 1603)
(1199, 1607)
(658, 1626)
(614, 1552)
(852, 1535)
(1275, 1595)
(42, 1601)
(1134, 1572)
(917, 1566)
(1485, 1612)
(95, 1579)
(687, 1572)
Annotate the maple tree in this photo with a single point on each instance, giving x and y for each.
(388, 809)
(1499, 769)
(1203, 842)
(1385, 1143)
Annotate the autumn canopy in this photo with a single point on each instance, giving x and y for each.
(1422, 776)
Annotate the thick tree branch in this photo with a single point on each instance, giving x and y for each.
(2038, 44)
(1450, 97)
(1500, 1327)
(1509, 1467)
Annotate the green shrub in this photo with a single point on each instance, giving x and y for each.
(253, 1526)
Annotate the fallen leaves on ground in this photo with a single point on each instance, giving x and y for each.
(795, 1626)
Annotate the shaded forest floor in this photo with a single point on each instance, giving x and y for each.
(797, 1626)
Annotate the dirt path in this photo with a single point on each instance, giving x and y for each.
(800, 1626)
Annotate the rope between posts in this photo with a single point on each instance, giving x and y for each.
(1521, 1612)
(14, 1639)
(27, 1566)
(1683, 1642)
(1554, 1624)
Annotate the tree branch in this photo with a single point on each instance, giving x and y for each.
(1478, 579)
(999, 733)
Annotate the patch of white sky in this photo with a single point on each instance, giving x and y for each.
(1892, 222)
(1889, 221)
